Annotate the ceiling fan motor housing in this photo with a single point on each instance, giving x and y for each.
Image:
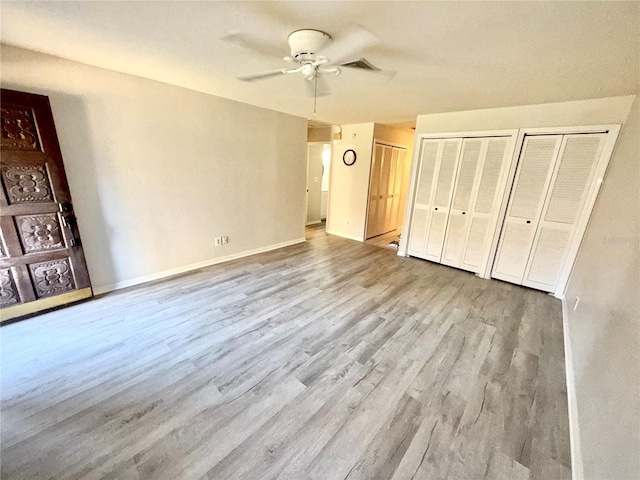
(305, 44)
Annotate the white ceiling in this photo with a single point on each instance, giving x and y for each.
(449, 55)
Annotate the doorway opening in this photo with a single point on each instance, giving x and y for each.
(318, 170)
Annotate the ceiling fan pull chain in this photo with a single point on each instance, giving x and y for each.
(315, 93)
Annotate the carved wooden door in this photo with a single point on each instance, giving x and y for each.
(42, 264)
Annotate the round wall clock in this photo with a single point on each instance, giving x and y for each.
(349, 157)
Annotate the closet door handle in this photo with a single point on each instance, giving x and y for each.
(528, 221)
(436, 208)
(463, 213)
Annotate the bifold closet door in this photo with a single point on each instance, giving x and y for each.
(374, 192)
(525, 205)
(572, 178)
(396, 188)
(384, 190)
(469, 232)
(553, 178)
(436, 177)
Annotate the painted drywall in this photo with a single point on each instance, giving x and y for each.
(349, 186)
(157, 171)
(604, 330)
(603, 335)
(319, 134)
(314, 182)
(582, 112)
(385, 133)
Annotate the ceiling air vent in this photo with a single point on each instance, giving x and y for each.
(361, 63)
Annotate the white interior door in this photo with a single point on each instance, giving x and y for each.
(374, 191)
(430, 152)
(571, 180)
(496, 159)
(473, 150)
(443, 190)
(397, 188)
(533, 176)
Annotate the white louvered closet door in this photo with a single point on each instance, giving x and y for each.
(390, 188)
(443, 189)
(397, 189)
(374, 191)
(483, 167)
(572, 178)
(473, 150)
(482, 221)
(430, 152)
(531, 183)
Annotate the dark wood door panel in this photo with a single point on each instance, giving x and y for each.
(41, 255)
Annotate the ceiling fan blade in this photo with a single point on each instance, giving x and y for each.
(249, 43)
(348, 45)
(320, 90)
(264, 75)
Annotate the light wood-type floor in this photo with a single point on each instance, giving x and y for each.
(331, 359)
(383, 240)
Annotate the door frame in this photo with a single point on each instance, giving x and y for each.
(306, 197)
(495, 219)
(373, 152)
(612, 132)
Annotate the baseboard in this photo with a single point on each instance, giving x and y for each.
(343, 235)
(313, 222)
(577, 469)
(194, 266)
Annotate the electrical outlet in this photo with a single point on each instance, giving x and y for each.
(225, 240)
(218, 241)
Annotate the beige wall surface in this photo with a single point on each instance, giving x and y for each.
(604, 330)
(319, 134)
(599, 111)
(157, 171)
(349, 186)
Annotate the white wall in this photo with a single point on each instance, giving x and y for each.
(604, 331)
(157, 171)
(582, 112)
(349, 186)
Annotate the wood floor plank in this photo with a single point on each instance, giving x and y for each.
(329, 359)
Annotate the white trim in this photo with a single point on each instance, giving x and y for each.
(194, 266)
(507, 132)
(344, 235)
(577, 466)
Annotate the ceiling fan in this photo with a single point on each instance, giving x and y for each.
(316, 55)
